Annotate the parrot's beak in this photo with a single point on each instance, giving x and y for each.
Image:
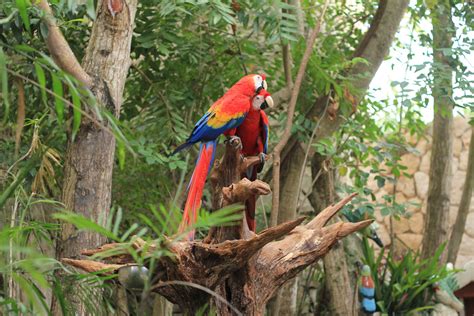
(377, 240)
(268, 103)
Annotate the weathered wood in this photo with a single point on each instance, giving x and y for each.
(245, 268)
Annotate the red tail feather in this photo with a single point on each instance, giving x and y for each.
(196, 187)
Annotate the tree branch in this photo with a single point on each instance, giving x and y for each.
(60, 49)
(373, 48)
(464, 206)
(272, 262)
(289, 122)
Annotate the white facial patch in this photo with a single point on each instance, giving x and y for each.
(258, 80)
(257, 102)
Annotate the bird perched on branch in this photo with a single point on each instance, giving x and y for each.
(226, 113)
(253, 133)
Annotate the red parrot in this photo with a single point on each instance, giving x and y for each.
(226, 113)
(253, 133)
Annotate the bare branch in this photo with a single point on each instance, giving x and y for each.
(60, 49)
(464, 206)
(93, 266)
(325, 215)
(289, 122)
(242, 190)
(286, 54)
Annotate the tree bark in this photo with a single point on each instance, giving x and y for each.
(90, 156)
(437, 211)
(340, 290)
(464, 206)
(242, 268)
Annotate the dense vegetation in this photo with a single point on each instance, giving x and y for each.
(184, 55)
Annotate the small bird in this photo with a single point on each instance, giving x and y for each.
(358, 215)
(226, 113)
(253, 133)
(367, 290)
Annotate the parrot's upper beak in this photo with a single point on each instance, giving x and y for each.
(268, 103)
(377, 240)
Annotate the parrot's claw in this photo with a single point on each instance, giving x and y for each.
(263, 158)
(235, 142)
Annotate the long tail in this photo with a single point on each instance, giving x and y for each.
(196, 186)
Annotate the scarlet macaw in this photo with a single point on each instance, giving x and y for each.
(253, 133)
(226, 113)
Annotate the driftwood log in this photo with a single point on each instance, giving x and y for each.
(244, 269)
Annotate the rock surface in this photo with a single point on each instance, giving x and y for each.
(415, 189)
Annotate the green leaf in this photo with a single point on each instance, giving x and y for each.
(76, 110)
(22, 6)
(8, 18)
(85, 223)
(91, 9)
(4, 82)
(58, 98)
(380, 181)
(41, 80)
(24, 48)
(121, 154)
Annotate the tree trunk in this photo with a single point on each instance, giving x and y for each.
(340, 291)
(464, 206)
(90, 156)
(374, 47)
(285, 300)
(437, 211)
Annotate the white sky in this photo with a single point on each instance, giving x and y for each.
(395, 69)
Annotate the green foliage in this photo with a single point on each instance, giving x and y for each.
(184, 54)
(404, 285)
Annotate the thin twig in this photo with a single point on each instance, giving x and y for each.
(20, 121)
(303, 166)
(199, 287)
(289, 122)
(59, 48)
(264, 214)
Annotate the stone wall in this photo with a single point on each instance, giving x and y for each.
(409, 231)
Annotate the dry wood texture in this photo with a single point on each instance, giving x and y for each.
(244, 268)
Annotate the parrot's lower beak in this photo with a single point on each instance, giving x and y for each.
(268, 103)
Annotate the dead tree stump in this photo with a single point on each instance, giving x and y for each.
(244, 269)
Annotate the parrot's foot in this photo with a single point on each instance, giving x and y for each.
(235, 142)
(263, 158)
